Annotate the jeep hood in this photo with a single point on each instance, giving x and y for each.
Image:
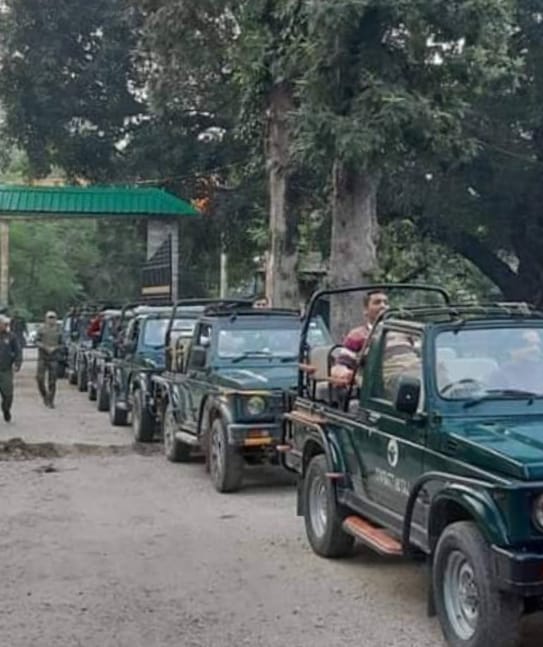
(510, 446)
(259, 378)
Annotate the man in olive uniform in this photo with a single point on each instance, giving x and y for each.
(10, 361)
(49, 343)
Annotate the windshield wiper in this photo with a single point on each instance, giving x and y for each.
(498, 394)
(252, 353)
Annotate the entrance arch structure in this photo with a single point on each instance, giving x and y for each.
(160, 209)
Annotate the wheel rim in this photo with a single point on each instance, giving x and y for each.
(169, 425)
(217, 453)
(318, 506)
(461, 595)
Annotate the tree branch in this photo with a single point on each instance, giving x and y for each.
(497, 270)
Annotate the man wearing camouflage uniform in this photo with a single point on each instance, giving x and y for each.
(10, 361)
(49, 343)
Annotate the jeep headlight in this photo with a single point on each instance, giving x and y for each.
(255, 405)
(537, 512)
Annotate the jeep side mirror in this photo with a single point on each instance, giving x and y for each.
(408, 395)
(198, 357)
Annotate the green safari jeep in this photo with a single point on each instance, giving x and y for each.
(224, 394)
(434, 447)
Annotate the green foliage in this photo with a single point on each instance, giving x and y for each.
(390, 79)
(57, 264)
(488, 208)
(192, 139)
(441, 98)
(41, 276)
(68, 82)
(406, 256)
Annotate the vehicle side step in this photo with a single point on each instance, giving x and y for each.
(188, 439)
(283, 449)
(376, 538)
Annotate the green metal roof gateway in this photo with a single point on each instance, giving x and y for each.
(90, 202)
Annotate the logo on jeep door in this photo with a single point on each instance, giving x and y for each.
(393, 452)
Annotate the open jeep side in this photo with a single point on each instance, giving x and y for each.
(77, 345)
(433, 447)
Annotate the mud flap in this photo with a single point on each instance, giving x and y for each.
(430, 602)
(299, 496)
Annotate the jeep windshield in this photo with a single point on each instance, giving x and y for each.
(154, 334)
(110, 328)
(238, 344)
(476, 365)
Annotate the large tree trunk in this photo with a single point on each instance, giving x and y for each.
(353, 257)
(281, 278)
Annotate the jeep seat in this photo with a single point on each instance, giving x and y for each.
(446, 354)
(473, 368)
(178, 353)
(321, 360)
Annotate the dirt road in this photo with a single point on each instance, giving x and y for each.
(127, 550)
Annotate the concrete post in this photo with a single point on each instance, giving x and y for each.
(4, 262)
(224, 275)
(174, 231)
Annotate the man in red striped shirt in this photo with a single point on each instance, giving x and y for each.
(375, 303)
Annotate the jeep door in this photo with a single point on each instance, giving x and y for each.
(392, 449)
(129, 363)
(196, 384)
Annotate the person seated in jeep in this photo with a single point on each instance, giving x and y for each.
(375, 303)
(400, 359)
(523, 369)
(94, 327)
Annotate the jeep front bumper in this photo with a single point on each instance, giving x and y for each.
(255, 435)
(518, 572)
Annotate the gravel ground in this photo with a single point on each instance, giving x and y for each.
(107, 547)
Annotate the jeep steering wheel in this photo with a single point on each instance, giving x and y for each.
(464, 382)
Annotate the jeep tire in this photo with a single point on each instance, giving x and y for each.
(323, 515)
(470, 608)
(91, 391)
(118, 417)
(143, 423)
(102, 393)
(174, 450)
(82, 378)
(225, 462)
